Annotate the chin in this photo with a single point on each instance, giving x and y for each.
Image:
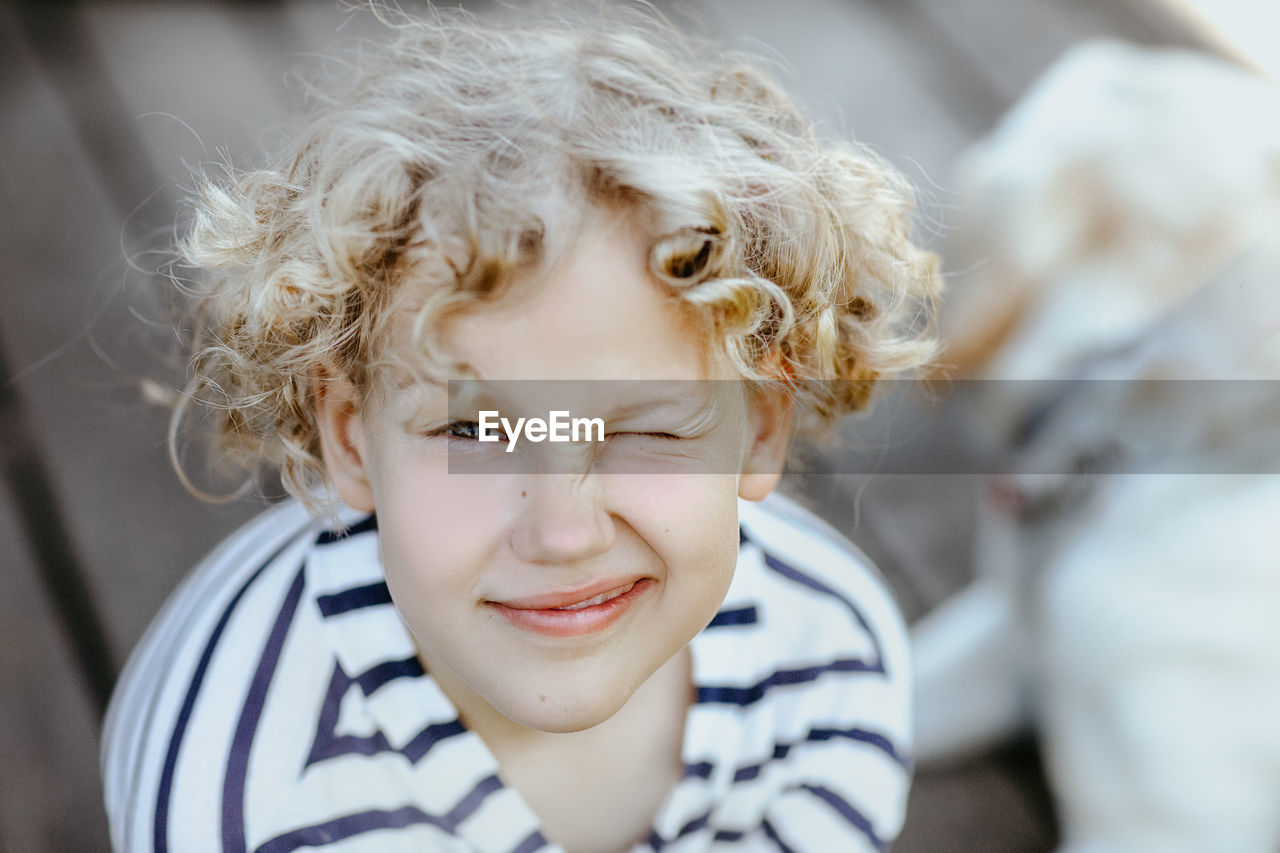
(560, 715)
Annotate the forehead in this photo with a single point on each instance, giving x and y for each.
(591, 310)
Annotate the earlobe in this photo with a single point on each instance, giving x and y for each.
(341, 425)
(770, 439)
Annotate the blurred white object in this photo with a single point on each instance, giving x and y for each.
(1244, 28)
(1130, 206)
(1123, 180)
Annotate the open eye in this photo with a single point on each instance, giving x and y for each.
(463, 430)
(469, 430)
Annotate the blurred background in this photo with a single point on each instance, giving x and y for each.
(107, 105)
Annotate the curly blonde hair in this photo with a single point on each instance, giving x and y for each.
(796, 251)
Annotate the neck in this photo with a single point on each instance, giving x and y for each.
(672, 681)
(599, 788)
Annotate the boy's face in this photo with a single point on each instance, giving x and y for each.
(551, 597)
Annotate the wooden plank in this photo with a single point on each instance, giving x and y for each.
(80, 343)
(854, 67)
(50, 799)
(197, 80)
(60, 572)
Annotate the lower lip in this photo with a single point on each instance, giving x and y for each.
(574, 623)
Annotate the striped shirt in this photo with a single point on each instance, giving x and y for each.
(276, 703)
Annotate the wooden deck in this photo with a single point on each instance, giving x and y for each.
(105, 105)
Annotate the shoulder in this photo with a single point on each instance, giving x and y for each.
(175, 708)
(780, 525)
(277, 703)
(811, 575)
(819, 687)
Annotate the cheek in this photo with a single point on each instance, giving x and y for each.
(692, 521)
(437, 531)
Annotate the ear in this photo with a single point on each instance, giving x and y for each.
(770, 435)
(341, 424)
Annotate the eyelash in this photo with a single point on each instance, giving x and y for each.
(448, 431)
(666, 436)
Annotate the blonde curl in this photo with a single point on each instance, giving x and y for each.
(435, 165)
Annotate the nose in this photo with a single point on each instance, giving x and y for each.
(563, 519)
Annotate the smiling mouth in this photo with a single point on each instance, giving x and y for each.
(573, 613)
(597, 599)
(588, 595)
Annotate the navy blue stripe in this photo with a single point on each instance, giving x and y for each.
(795, 575)
(728, 695)
(698, 823)
(376, 676)
(469, 804)
(657, 842)
(742, 616)
(160, 829)
(329, 744)
(701, 770)
(728, 835)
(781, 750)
(816, 585)
(530, 844)
(854, 817)
(250, 713)
(369, 595)
(365, 525)
(347, 826)
(773, 836)
(870, 738)
(415, 749)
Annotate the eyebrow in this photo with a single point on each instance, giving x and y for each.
(658, 405)
(482, 394)
(694, 413)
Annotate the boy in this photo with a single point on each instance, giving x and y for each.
(600, 647)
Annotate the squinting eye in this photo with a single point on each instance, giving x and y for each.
(666, 436)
